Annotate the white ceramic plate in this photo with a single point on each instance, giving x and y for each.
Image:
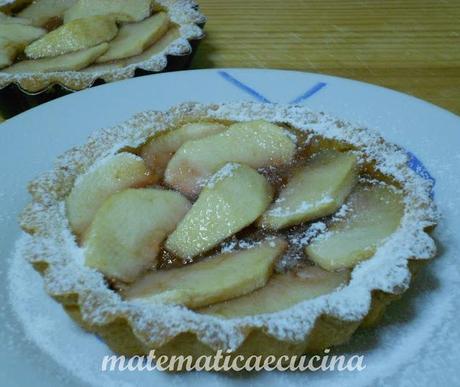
(416, 344)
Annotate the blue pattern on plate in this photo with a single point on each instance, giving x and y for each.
(417, 166)
(309, 93)
(242, 86)
(413, 162)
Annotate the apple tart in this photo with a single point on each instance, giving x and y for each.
(70, 45)
(251, 228)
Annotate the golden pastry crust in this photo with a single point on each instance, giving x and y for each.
(131, 327)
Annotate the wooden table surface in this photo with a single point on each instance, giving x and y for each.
(412, 46)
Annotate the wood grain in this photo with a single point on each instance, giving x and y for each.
(412, 46)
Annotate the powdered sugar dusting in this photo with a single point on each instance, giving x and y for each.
(283, 211)
(291, 135)
(154, 324)
(341, 212)
(298, 239)
(226, 171)
(235, 244)
(302, 238)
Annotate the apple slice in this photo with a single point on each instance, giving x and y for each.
(281, 292)
(42, 12)
(235, 197)
(124, 11)
(113, 174)
(128, 229)
(69, 62)
(20, 33)
(13, 39)
(8, 52)
(316, 190)
(5, 19)
(159, 150)
(211, 280)
(74, 36)
(255, 143)
(375, 213)
(134, 38)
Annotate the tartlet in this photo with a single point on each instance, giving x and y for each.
(49, 48)
(242, 263)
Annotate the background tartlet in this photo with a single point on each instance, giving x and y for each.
(20, 90)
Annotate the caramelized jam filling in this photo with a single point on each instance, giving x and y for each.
(53, 23)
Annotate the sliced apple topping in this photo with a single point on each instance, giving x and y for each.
(77, 35)
(159, 150)
(234, 198)
(125, 236)
(20, 33)
(5, 19)
(125, 11)
(318, 189)
(375, 213)
(134, 38)
(14, 37)
(116, 173)
(8, 52)
(69, 62)
(43, 11)
(255, 143)
(211, 280)
(281, 292)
